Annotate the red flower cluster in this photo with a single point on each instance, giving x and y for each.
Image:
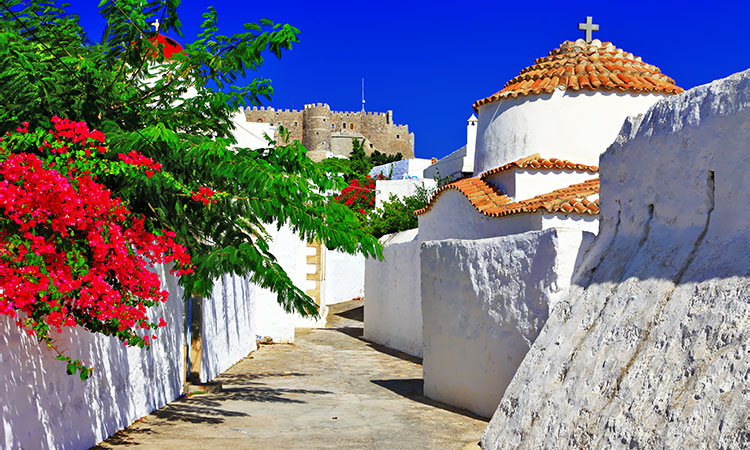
(358, 196)
(136, 159)
(71, 253)
(205, 195)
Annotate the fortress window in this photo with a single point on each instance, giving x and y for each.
(351, 126)
(398, 137)
(370, 145)
(295, 123)
(343, 125)
(333, 126)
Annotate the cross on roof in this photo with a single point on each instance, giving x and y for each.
(588, 27)
(155, 23)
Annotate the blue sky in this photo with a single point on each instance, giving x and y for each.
(428, 62)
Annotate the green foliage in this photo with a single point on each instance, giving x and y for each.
(48, 67)
(359, 165)
(378, 159)
(398, 214)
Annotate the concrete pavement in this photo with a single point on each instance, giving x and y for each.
(331, 390)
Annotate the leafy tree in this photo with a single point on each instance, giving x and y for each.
(378, 159)
(359, 165)
(169, 111)
(397, 214)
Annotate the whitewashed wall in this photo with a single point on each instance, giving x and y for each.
(344, 277)
(453, 217)
(483, 304)
(565, 124)
(393, 311)
(520, 184)
(227, 334)
(251, 134)
(270, 319)
(42, 407)
(650, 349)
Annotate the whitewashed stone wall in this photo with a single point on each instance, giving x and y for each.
(483, 304)
(227, 334)
(650, 349)
(42, 407)
(344, 277)
(393, 311)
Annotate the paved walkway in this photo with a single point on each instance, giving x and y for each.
(332, 390)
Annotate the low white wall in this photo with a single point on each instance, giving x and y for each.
(227, 334)
(344, 277)
(453, 217)
(393, 311)
(483, 304)
(400, 188)
(42, 407)
(270, 319)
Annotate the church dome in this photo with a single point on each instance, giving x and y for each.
(170, 45)
(582, 65)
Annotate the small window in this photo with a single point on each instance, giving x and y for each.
(333, 126)
(343, 125)
(370, 145)
(295, 123)
(351, 126)
(398, 137)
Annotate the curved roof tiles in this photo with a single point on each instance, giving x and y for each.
(592, 66)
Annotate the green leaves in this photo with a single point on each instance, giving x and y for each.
(171, 111)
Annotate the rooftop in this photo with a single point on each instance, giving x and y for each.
(491, 202)
(585, 65)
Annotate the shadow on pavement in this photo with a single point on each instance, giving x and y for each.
(357, 314)
(412, 388)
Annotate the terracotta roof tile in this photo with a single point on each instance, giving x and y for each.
(536, 162)
(592, 66)
(572, 199)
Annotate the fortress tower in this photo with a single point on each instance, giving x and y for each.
(316, 130)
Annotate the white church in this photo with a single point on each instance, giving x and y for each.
(495, 251)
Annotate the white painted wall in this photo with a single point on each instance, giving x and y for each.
(43, 408)
(400, 188)
(449, 167)
(393, 311)
(521, 184)
(471, 143)
(577, 126)
(453, 217)
(270, 319)
(483, 303)
(344, 277)
(650, 349)
(227, 334)
(251, 134)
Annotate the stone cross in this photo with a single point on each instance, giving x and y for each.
(588, 27)
(155, 23)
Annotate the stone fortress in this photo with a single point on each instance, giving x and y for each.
(326, 133)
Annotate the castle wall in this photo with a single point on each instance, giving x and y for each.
(321, 130)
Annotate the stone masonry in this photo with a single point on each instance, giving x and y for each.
(330, 133)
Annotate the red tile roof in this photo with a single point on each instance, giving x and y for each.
(592, 66)
(537, 162)
(492, 203)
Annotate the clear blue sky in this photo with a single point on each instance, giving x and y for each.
(428, 62)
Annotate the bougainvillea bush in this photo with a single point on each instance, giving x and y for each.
(359, 195)
(72, 254)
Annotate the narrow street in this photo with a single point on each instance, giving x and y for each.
(331, 390)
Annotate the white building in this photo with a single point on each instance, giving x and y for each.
(460, 163)
(497, 249)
